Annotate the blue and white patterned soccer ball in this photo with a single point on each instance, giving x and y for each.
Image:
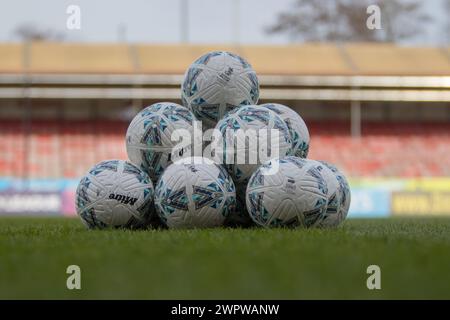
(296, 195)
(115, 193)
(339, 196)
(242, 158)
(216, 83)
(194, 193)
(149, 137)
(297, 128)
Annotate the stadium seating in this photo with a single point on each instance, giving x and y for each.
(384, 149)
(55, 149)
(58, 149)
(12, 155)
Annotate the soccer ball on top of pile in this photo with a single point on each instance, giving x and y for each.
(216, 83)
(269, 180)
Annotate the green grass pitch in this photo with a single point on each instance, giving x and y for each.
(413, 254)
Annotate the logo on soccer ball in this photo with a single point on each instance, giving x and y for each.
(123, 199)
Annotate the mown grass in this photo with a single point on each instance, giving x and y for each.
(413, 254)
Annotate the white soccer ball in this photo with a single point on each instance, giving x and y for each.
(241, 157)
(339, 205)
(149, 137)
(216, 83)
(296, 195)
(195, 193)
(297, 128)
(115, 193)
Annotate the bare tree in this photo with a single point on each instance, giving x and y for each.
(345, 20)
(30, 32)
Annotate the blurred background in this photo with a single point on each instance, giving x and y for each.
(370, 78)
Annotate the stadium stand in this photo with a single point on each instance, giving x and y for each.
(11, 58)
(315, 59)
(12, 153)
(59, 149)
(33, 145)
(384, 150)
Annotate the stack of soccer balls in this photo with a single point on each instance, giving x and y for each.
(253, 172)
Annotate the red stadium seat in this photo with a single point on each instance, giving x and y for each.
(54, 149)
(384, 149)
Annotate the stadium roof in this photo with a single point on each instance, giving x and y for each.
(351, 72)
(304, 59)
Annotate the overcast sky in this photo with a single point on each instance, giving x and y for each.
(158, 21)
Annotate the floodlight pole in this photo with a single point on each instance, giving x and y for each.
(184, 21)
(26, 118)
(122, 33)
(236, 21)
(355, 118)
